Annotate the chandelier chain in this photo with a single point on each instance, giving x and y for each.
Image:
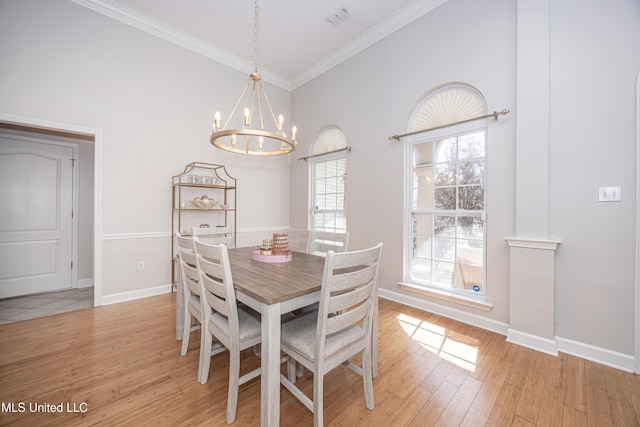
(255, 37)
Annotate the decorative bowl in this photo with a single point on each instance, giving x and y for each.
(204, 202)
(224, 207)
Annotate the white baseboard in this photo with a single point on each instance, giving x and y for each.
(624, 362)
(137, 294)
(600, 355)
(85, 283)
(533, 342)
(452, 313)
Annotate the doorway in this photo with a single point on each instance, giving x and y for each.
(86, 199)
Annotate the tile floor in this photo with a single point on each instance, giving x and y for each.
(45, 304)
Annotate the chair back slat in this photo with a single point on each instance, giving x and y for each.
(298, 240)
(190, 276)
(344, 319)
(216, 294)
(357, 258)
(353, 279)
(322, 242)
(214, 235)
(348, 299)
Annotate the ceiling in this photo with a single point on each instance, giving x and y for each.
(295, 40)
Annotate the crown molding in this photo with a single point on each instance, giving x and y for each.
(392, 23)
(131, 17)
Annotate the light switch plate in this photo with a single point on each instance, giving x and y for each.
(609, 194)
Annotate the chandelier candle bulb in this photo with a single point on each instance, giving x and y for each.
(280, 122)
(294, 130)
(260, 143)
(233, 140)
(216, 120)
(247, 118)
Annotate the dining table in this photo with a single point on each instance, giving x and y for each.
(274, 289)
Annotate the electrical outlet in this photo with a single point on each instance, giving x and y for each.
(140, 265)
(609, 194)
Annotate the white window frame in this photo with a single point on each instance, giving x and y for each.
(452, 131)
(312, 193)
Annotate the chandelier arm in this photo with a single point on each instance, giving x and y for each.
(254, 95)
(235, 107)
(273, 116)
(259, 84)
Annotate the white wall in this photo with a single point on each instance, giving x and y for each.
(154, 103)
(594, 64)
(595, 60)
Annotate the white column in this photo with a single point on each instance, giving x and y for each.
(532, 253)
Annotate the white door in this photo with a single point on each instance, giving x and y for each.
(36, 200)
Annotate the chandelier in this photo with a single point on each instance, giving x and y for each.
(252, 137)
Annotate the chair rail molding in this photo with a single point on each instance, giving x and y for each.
(516, 242)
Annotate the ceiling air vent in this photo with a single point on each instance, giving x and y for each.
(337, 17)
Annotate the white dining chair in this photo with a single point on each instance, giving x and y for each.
(192, 301)
(324, 339)
(234, 327)
(215, 235)
(192, 308)
(298, 239)
(320, 242)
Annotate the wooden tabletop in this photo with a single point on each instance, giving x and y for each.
(270, 283)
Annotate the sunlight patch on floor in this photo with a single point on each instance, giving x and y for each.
(457, 348)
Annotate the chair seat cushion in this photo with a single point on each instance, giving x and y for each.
(300, 334)
(249, 323)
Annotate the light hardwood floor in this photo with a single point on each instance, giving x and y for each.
(122, 364)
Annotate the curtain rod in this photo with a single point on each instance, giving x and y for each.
(347, 148)
(494, 115)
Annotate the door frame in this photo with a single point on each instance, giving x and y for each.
(96, 134)
(637, 306)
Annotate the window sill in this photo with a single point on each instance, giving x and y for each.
(454, 297)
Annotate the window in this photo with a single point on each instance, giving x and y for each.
(328, 181)
(446, 185)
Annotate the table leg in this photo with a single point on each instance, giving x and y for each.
(270, 364)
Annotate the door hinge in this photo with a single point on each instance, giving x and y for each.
(72, 265)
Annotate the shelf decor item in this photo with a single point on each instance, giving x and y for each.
(204, 202)
(280, 244)
(256, 255)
